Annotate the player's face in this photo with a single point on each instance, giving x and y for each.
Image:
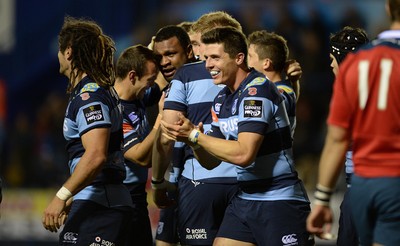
(64, 63)
(147, 80)
(334, 64)
(221, 67)
(198, 46)
(253, 60)
(173, 56)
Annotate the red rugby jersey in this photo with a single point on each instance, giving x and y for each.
(366, 101)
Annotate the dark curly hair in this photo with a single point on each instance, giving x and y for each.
(347, 40)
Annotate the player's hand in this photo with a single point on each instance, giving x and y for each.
(161, 103)
(293, 70)
(180, 130)
(54, 216)
(160, 195)
(319, 222)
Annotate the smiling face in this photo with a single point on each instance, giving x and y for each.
(221, 67)
(173, 56)
(147, 80)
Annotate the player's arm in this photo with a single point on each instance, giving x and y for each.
(141, 153)
(319, 221)
(161, 158)
(162, 147)
(241, 152)
(333, 155)
(95, 143)
(294, 73)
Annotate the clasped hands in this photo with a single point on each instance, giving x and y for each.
(180, 130)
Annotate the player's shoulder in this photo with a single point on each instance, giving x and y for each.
(285, 87)
(192, 71)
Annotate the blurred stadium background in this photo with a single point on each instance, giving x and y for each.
(32, 92)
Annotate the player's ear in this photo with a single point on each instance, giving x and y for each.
(267, 64)
(189, 51)
(68, 53)
(132, 76)
(240, 58)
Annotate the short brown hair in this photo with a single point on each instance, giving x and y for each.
(270, 45)
(215, 19)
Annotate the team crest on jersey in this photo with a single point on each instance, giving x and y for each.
(256, 81)
(252, 91)
(284, 88)
(252, 108)
(93, 113)
(85, 96)
(234, 106)
(133, 117)
(90, 87)
(217, 107)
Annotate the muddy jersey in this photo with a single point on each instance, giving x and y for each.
(257, 106)
(193, 91)
(91, 106)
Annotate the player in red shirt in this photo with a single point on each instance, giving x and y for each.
(365, 109)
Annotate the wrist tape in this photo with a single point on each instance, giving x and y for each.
(194, 136)
(322, 195)
(64, 194)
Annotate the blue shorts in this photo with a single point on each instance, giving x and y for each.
(201, 210)
(140, 233)
(89, 222)
(376, 209)
(167, 229)
(347, 234)
(267, 222)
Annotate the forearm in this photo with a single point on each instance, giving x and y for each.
(332, 158)
(141, 153)
(233, 151)
(85, 172)
(161, 156)
(205, 159)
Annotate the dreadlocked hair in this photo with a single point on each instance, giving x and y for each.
(92, 51)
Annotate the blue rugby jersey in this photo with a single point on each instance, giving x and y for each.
(91, 106)
(136, 128)
(286, 90)
(257, 106)
(193, 91)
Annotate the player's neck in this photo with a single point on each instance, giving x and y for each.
(79, 78)
(123, 89)
(273, 76)
(395, 25)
